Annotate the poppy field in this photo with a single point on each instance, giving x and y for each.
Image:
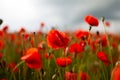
(60, 55)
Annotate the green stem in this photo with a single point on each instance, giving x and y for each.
(18, 65)
(12, 74)
(109, 47)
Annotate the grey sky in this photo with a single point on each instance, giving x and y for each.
(65, 14)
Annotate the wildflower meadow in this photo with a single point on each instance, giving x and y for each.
(60, 55)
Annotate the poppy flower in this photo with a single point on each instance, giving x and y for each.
(57, 39)
(84, 76)
(5, 28)
(3, 79)
(75, 48)
(116, 72)
(107, 24)
(81, 34)
(12, 65)
(104, 41)
(22, 30)
(42, 24)
(71, 76)
(26, 36)
(1, 33)
(91, 20)
(12, 37)
(32, 58)
(63, 61)
(103, 57)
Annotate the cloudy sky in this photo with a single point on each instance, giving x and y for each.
(64, 14)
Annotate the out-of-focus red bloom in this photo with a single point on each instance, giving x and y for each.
(91, 20)
(22, 30)
(84, 76)
(5, 28)
(42, 24)
(12, 65)
(32, 58)
(63, 61)
(114, 45)
(103, 57)
(104, 41)
(1, 55)
(56, 39)
(1, 44)
(48, 56)
(116, 72)
(71, 76)
(107, 24)
(12, 37)
(81, 34)
(75, 48)
(26, 36)
(1, 33)
(3, 79)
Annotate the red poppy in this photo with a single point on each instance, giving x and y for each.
(42, 24)
(81, 34)
(56, 39)
(63, 61)
(91, 20)
(32, 58)
(12, 37)
(103, 57)
(104, 41)
(116, 72)
(75, 48)
(5, 28)
(84, 76)
(107, 24)
(22, 30)
(114, 45)
(71, 76)
(1, 33)
(3, 79)
(12, 65)
(26, 36)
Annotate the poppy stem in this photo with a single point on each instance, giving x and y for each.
(12, 74)
(109, 47)
(18, 65)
